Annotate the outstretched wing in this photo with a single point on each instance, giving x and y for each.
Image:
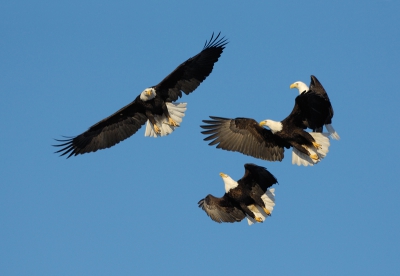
(106, 133)
(188, 76)
(243, 135)
(256, 177)
(221, 209)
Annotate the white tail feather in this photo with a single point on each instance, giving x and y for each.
(269, 201)
(301, 159)
(176, 111)
(332, 132)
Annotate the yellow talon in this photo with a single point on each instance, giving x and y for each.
(314, 157)
(157, 129)
(316, 145)
(172, 122)
(258, 219)
(266, 211)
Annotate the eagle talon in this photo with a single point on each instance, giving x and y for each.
(258, 219)
(314, 157)
(172, 122)
(316, 145)
(157, 129)
(267, 211)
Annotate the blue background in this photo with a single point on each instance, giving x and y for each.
(132, 209)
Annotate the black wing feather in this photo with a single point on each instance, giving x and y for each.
(188, 75)
(257, 177)
(106, 133)
(243, 135)
(221, 209)
(320, 107)
(312, 108)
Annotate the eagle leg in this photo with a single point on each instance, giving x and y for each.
(266, 211)
(316, 145)
(314, 157)
(172, 122)
(156, 129)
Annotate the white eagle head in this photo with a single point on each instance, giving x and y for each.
(301, 86)
(272, 125)
(148, 94)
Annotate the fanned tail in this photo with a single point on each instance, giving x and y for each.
(269, 202)
(301, 159)
(176, 111)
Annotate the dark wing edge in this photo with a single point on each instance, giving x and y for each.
(242, 135)
(215, 43)
(221, 209)
(191, 73)
(257, 176)
(316, 86)
(104, 134)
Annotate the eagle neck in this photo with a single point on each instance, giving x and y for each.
(229, 183)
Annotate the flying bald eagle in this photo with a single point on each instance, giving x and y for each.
(247, 136)
(248, 197)
(153, 105)
(315, 106)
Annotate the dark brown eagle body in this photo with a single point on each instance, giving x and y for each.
(293, 132)
(315, 106)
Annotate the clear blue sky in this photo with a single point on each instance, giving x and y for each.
(132, 209)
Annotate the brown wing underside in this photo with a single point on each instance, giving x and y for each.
(106, 133)
(221, 209)
(243, 135)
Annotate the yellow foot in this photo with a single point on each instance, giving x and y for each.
(266, 211)
(258, 219)
(316, 145)
(172, 122)
(157, 129)
(314, 157)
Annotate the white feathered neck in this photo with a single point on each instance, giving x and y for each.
(229, 182)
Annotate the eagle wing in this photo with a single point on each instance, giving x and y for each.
(298, 116)
(106, 133)
(312, 109)
(243, 135)
(257, 177)
(188, 76)
(319, 105)
(221, 209)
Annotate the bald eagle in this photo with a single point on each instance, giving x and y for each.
(315, 106)
(249, 137)
(248, 197)
(154, 105)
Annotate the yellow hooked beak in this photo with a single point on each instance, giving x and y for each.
(223, 175)
(293, 85)
(262, 123)
(148, 92)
